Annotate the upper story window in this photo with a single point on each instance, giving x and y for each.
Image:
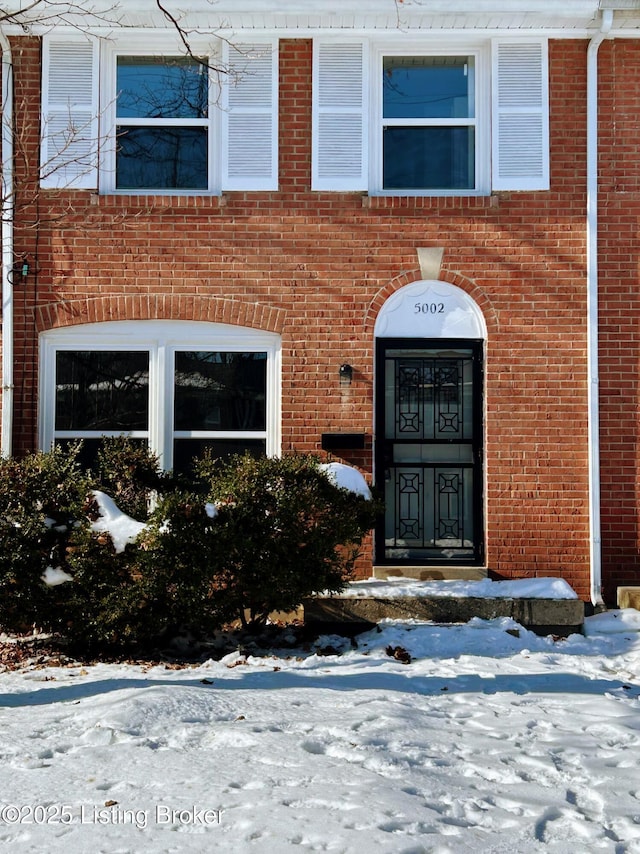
(117, 117)
(428, 123)
(162, 123)
(410, 119)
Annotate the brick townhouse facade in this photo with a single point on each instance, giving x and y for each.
(377, 234)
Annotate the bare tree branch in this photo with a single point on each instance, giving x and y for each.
(178, 28)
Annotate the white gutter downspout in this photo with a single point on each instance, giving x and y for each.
(7, 206)
(595, 541)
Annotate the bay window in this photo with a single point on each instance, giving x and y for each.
(178, 387)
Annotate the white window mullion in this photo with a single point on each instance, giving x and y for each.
(161, 405)
(220, 434)
(428, 123)
(154, 123)
(274, 396)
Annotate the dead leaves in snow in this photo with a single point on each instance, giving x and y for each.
(399, 653)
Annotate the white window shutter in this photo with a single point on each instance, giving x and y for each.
(70, 112)
(520, 115)
(340, 116)
(250, 118)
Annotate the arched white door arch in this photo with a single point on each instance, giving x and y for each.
(430, 309)
(429, 428)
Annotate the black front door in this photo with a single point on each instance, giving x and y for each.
(429, 451)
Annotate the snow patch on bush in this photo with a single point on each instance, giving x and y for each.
(122, 529)
(346, 477)
(55, 575)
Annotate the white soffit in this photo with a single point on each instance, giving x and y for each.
(309, 16)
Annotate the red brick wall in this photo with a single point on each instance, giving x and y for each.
(316, 267)
(619, 212)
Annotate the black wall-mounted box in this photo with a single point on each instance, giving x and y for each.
(342, 441)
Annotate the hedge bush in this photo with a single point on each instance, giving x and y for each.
(42, 521)
(129, 473)
(284, 531)
(248, 537)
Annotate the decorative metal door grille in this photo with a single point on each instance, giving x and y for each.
(429, 451)
(430, 397)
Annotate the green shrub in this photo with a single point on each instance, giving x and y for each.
(179, 555)
(46, 513)
(250, 537)
(129, 472)
(42, 520)
(284, 532)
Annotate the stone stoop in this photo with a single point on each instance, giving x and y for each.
(629, 597)
(349, 615)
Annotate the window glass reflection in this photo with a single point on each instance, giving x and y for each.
(220, 391)
(427, 87)
(429, 158)
(102, 390)
(162, 88)
(161, 158)
(185, 451)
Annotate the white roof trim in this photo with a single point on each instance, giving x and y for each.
(309, 17)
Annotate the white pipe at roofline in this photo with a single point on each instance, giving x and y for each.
(7, 210)
(595, 541)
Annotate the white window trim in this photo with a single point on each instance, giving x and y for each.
(482, 58)
(108, 112)
(161, 338)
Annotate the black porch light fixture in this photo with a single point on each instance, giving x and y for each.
(346, 374)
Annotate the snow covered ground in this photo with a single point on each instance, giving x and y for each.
(490, 739)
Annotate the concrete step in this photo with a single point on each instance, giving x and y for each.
(349, 614)
(430, 573)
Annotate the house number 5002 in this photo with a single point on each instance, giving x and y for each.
(428, 308)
